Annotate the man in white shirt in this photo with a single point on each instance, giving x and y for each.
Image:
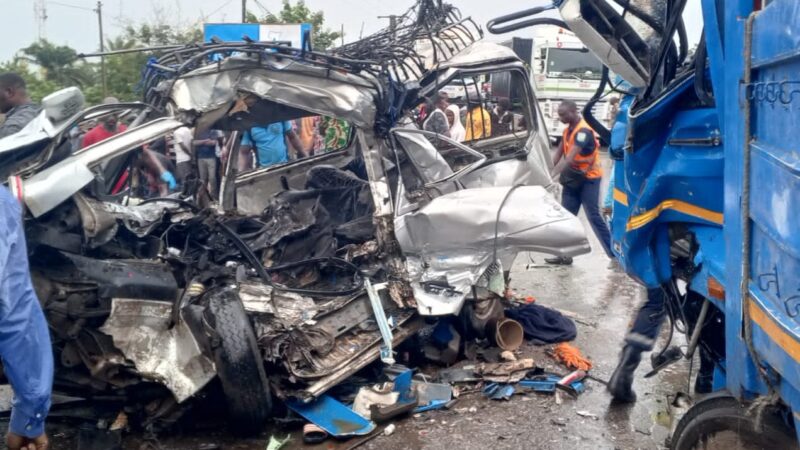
(437, 119)
(182, 146)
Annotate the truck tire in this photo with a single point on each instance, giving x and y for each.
(239, 364)
(722, 422)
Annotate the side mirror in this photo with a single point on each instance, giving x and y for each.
(619, 42)
(63, 104)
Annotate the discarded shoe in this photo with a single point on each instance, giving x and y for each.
(313, 434)
(559, 261)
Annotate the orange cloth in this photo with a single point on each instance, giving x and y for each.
(571, 357)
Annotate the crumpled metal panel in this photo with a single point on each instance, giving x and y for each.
(49, 188)
(99, 218)
(37, 130)
(287, 82)
(171, 356)
(480, 53)
(292, 308)
(533, 171)
(452, 239)
(99, 226)
(426, 158)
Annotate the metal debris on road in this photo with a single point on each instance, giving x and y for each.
(507, 372)
(497, 391)
(332, 416)
(587, 414)
(276, 443)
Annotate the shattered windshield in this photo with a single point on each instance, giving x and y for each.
(573, 63)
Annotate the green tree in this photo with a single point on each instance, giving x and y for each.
(38, 87)
(125, 70)
(59, 64)
(147, 35)
(47, 68)
(322, 39)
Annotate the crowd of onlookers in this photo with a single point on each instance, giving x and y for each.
(165, 164)
(471, 121)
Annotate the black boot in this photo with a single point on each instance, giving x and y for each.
(704, 383)
(621, 383)
(559, 260)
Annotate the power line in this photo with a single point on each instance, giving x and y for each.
(261, 6)
(219, 9)
(67, 5)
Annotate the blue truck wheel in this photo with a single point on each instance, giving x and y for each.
(722, 422)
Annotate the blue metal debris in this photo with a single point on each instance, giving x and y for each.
(548, 385)
(333, 417)
(432, 405)
(545, 383)
(387, 354)
(497, 391)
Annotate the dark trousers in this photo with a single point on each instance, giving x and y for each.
(647, 323)
(588, 196)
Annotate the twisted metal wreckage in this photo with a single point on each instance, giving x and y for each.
(317, 267)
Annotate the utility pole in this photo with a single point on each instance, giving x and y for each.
(99, 12)
(40, 12)
(342, 35)
(244, 11)
(392, 23)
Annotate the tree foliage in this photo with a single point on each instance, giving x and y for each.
(125, 70)
(38, 87)
(322, 39)
(162, 34)
(47, 67)
(59, 63)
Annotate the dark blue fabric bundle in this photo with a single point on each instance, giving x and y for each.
(543, 325)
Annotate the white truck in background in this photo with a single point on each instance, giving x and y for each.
(561, 69)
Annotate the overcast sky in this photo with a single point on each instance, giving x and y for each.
(72, 22)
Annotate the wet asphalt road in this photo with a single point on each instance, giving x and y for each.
(603, 300)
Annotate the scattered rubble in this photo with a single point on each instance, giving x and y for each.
(312, 278)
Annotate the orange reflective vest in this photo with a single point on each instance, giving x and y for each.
(587, 164)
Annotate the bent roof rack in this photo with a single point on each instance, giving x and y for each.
(426, 35)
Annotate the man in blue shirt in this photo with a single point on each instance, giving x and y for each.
(24, 338)
(270, 142)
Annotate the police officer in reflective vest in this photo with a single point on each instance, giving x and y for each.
(577, 167)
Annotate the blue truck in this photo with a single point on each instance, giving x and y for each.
(705, 178)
